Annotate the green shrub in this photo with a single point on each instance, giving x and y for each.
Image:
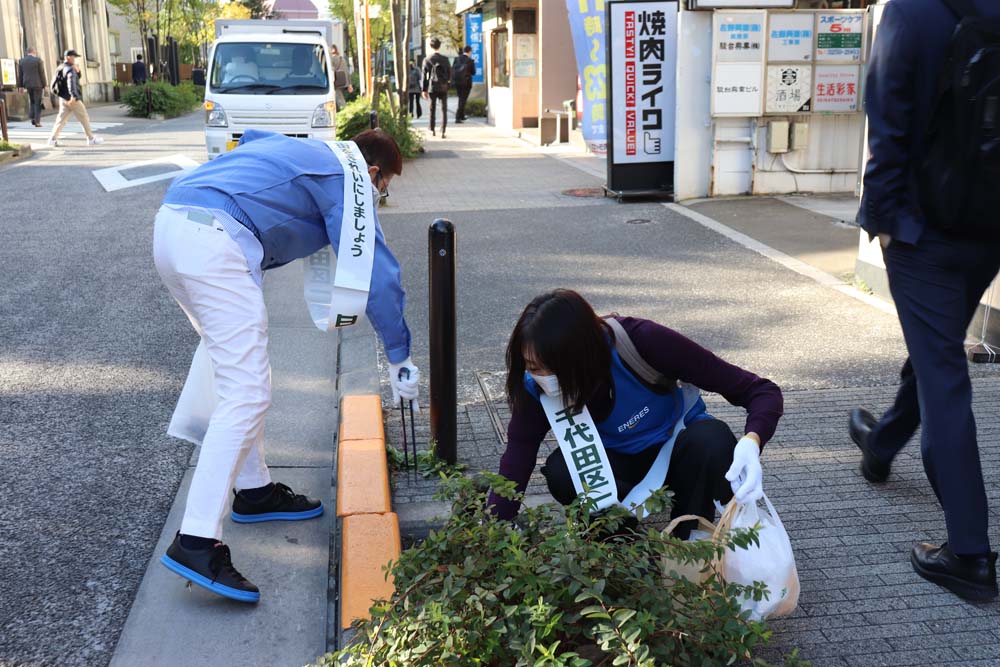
(475, 108)
(159, 97)
(7, 146)
(353, 119)
(558, 588)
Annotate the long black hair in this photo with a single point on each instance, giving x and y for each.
(567, 337)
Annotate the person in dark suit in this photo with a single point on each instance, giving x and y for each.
(937, 280)
(138, 70)
(462, 71)
(31, 77)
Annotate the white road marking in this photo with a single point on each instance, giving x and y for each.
(111, 179)
(787, 261)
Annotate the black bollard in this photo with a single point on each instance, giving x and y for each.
(373, 118)
(444, 362)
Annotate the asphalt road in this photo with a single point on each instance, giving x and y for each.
(92, 355)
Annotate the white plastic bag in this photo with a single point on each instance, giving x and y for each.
(772, 562)
(197, 401)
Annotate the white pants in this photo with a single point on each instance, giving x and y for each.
(207, 274)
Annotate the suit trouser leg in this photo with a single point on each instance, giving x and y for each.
(35, 102)
(433, 105)
(463, 97)
(900, 422)
(936, 285)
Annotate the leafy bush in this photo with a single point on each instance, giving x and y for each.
(475, 108)
(556, 588)
(159, 97)
(353, 119)
(7, 146)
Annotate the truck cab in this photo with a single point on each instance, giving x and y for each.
(270, 75)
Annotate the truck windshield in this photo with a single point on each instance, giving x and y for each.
(257, 68)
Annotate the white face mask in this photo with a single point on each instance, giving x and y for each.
(376, 196)
(547, 383)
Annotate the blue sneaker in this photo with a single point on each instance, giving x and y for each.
(210, 568)
(281, 504)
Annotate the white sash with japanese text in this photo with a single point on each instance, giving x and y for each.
(583, 450)
(587, 460)
(336, 286)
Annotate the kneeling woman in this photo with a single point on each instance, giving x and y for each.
(622, 397)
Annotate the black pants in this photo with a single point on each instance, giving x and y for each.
(414, 99)
(35, 104)
(443, 98)
(702, 454)
(463, 96)
(937, 285)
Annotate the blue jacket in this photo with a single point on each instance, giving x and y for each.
(910, 47)
(289, 192)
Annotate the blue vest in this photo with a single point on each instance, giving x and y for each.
(640, 417)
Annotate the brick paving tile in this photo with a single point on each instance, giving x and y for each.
(861, 604)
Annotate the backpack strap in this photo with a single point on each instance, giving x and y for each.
(630, 355)
(962, 8)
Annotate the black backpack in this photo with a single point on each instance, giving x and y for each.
(959, 178)
(59, 87)
(460, 74)
(439, 73)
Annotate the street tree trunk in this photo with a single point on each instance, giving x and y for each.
(400, 41)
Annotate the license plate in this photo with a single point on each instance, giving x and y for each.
(230, 145)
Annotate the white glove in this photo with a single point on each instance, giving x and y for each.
(745, 475)
(404, 387)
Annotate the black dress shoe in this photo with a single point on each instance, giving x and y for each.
(210, 568)
(872, 468)
(971, 578)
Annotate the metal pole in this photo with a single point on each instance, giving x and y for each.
(3, 119)
(444, 364)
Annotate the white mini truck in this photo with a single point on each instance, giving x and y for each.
(270, 75)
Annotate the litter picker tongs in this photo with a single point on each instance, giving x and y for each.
(404, 374)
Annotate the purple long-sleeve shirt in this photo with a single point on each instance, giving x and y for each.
(674, 355)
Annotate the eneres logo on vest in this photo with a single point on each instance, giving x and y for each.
(631, 423)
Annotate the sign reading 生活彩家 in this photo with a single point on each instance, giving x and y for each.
(839, 36)
(642, 56)
(836, 88)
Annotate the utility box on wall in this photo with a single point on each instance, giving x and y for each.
(777, 136)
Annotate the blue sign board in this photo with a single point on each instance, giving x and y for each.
(586, 21)
(474, 38)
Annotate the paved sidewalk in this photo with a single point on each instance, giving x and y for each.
(830, 351)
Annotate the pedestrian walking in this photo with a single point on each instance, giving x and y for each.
(462, 71)
(413, 90)
(67, 86)
(626, 392)
(341, 76)
(31, 77)
(937, 271)
(272, 200)
(437, 77)
(139, 75)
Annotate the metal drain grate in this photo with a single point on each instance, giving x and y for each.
(594, 193)
(436, 153)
